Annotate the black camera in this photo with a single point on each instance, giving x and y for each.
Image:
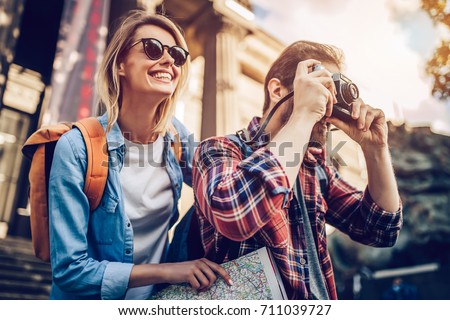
(347, 93)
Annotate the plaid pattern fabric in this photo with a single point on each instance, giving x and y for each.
(249, 200)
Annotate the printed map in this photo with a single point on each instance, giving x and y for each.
(249, 283)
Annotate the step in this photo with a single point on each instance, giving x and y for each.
(28, 276)
(17, 256)
(17, 243)
(12, 286)
(22, 275)
(17, 265)
(22, 296)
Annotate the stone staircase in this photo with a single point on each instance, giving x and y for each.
(22, 275)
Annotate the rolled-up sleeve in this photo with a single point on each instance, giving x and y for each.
(383, 226)
(115, 280)
(355, 213)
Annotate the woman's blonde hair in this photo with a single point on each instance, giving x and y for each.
(108, 80)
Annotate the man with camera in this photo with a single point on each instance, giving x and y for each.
(281, 192)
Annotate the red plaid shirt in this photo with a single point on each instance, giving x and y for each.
(249, 200)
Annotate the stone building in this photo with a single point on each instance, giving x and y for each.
(230, 56)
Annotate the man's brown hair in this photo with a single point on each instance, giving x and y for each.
(285, 66)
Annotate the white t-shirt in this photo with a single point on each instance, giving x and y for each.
(148, 200)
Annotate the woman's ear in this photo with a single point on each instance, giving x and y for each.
(121, 69)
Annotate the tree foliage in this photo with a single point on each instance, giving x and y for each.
(439, 65)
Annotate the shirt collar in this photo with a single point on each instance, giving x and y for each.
(114, 137)
(170, 134)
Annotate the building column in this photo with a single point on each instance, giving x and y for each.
(222, 70)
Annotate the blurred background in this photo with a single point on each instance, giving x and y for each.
(397, 52)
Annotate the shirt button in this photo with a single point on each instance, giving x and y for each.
(302, 261)
(128, 224)
(127, 251)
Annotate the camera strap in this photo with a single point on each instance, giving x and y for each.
(245, 136)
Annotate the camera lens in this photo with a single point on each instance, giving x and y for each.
(353, 91)
(350, 92)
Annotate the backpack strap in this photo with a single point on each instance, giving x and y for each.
(97, 159)
(246, 150)
(316, 279)
(42, 136)
(323, 180)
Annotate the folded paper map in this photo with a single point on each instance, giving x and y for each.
(255, 277)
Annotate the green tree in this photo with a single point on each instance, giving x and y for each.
(439, 65)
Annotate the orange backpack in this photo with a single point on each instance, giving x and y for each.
(39, 148)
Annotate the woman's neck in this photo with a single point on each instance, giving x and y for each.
(137, 123)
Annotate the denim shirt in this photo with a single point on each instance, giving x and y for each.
(92, 252)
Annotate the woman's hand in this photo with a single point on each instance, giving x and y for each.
(200, 274)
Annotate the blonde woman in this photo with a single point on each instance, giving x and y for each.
(115, 251)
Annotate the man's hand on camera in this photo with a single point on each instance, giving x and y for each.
(314, 92)
(368, 127)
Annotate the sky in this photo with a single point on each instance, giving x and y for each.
(386, 45)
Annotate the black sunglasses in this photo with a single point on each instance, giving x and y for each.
(154, 50)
